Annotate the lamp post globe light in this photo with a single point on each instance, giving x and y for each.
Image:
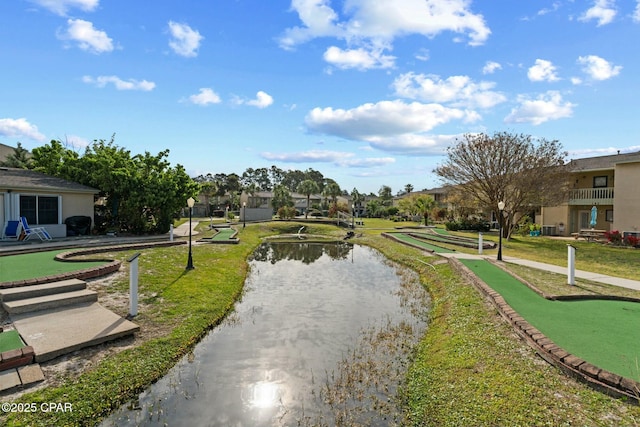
(500, 208)
(190, 203)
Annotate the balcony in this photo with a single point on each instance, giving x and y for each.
(591, 196)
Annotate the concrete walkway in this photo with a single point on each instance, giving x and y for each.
(580, 274)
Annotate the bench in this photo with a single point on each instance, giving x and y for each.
(590, 235)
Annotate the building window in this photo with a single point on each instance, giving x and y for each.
(609, 215)
(599, 181)
(40, 209)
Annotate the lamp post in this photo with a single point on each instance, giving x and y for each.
(190, 203)
(353, 213)
(500, 208)
(244, 214)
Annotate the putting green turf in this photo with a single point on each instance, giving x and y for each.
(10, 340)
(602, 332)
(223, 234)
(408, 239)
(39, 264)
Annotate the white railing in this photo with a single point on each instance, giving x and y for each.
(591, 195)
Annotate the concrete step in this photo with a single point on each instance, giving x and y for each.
(50, 301)
(53, 333)
(23, 292)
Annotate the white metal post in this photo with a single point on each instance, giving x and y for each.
(133, 285)
(479, 243)
(571, 265)
(171, 233)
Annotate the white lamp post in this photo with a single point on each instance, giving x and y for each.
(500, 208)
(190, 203)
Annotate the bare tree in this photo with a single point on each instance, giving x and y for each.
(508, 168)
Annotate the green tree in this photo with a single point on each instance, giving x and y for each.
(408, 188)
(20, 158)
(281, 198)
(332, 190)
(385, 195)
(143, 193)
(308, 187)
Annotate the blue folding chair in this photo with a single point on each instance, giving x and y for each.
(30, 231)
(12, 230)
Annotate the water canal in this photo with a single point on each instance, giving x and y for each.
(322, 336)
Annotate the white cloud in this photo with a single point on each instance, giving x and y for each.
(457, 90)
(339, 158)
(20, 127)
(262, 100)
(547, 106)
(369, 27)
(360, 58)
(554, 7)
(185, 41)
(385, 119)
(206, 96)
(86, 36)
(60, 7)
(368, 162)
(76, 142)
(491, 67)
(636, 13)
(543, 70)
(131, 84)
(422, 55)
(602, 10)
(414, 144)
(598, 68)
(310, 156)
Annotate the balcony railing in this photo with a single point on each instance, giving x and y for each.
(591, 196)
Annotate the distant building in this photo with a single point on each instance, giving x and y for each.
(44, 200)
(611, 184)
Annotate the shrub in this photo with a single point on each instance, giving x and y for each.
(631, 240)
(614, 237)
(469, 225)
(286, 212)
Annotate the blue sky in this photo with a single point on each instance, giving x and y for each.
(367, 92)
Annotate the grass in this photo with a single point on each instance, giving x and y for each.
(38, 264)
(469, 369)
(590, 256)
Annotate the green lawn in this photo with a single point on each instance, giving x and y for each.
(39, 264)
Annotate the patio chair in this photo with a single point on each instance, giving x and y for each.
(37, 231)
(12, 230)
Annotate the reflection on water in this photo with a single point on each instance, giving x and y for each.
(320, 337)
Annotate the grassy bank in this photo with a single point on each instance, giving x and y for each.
(469, 369)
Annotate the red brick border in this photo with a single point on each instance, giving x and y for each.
(16, 358)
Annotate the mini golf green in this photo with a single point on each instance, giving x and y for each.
(605, 333)
(10, 340)
(224, 234)
(39, 264)
(412, 240)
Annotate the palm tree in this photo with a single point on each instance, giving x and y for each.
(424, 204)
(333, 190)
(307, 187)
